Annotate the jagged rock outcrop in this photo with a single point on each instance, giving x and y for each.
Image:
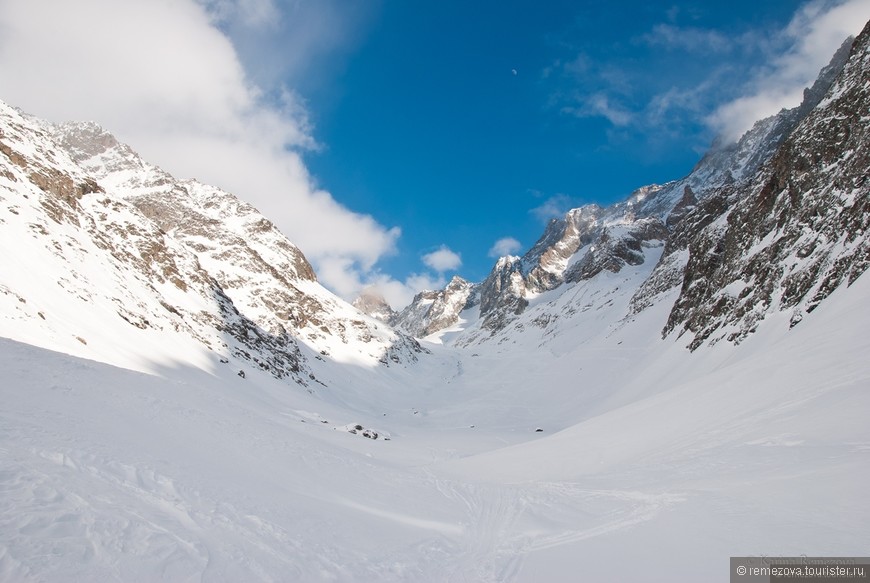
(431, 311)
(617, 246)
(371, 303)
(796, 232)
(503, 293)
(545, 263)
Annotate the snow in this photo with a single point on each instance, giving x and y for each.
(734, 288)
(760, 448)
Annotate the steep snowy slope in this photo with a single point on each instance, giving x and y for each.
(85, 272)
(106, 247)
(793, 234)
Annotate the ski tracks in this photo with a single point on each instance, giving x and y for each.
(505, 523)
(51, 531)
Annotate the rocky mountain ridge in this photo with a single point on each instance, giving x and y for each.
(431, 311)
(592, 239)
(131, 244)
(795, 233)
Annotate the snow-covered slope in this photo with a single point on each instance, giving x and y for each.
(109, 254)
(87, 273)
(756, 449)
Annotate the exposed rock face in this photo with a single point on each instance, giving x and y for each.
(545, 263)
(683, 207)
(372, 303)
(617, 246)
(431, 311)
(719, 179)
(793, 234)
(503, 293)
(668, 273)
(236, 285)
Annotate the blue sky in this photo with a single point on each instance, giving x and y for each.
(397, 142)
(427, 127)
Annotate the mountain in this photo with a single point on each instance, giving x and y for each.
(371, 303)
(592, 239)
(431, 311)
(132, 257)
(793, 234)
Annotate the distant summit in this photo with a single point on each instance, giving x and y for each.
(664, 223)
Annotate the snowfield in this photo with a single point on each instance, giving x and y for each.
(653, 464)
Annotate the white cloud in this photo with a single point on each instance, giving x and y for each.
(812, 37)
(553, 207)
(505, 246)
(252, 13)
(600, 104)
(165, 79)
(302, 41)
(443, 259)
(399, 294)
(688, 38)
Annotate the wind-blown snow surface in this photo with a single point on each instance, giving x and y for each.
(653, 464)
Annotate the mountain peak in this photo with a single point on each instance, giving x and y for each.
(156, 259)
(591, 239)
(372, 303)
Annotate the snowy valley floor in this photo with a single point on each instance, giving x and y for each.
(653, 464)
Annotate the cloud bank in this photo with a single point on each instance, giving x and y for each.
(693, 78)
(815, 32)
(164, 77)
